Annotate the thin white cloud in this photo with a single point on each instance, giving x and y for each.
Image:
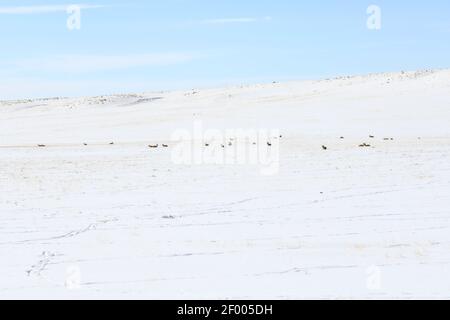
(94, 63)
(45, 8)
(235, 20)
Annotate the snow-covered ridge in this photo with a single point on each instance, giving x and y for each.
(392, 76)
(380, 103)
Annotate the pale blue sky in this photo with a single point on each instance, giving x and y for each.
(134, 46)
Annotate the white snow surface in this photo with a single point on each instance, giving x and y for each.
(122, 221)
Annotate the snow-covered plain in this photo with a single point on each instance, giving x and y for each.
(123, 220)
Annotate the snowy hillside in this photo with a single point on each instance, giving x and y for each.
(359, 206)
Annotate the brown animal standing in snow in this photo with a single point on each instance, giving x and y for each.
(364, 145)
